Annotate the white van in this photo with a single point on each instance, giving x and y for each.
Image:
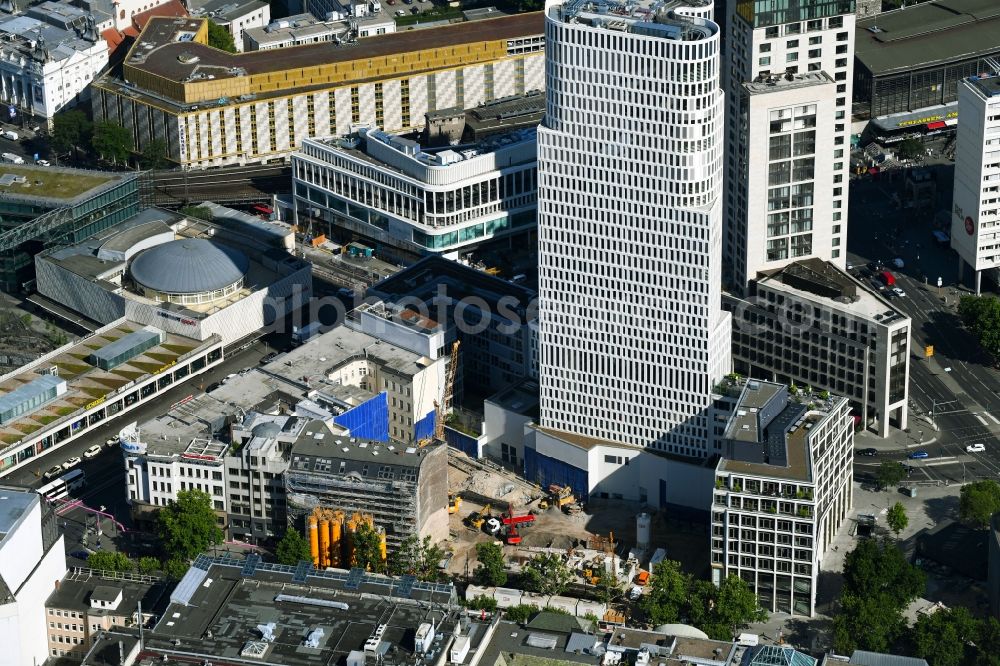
(12, 158)
(13, 136)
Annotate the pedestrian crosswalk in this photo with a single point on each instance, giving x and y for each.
(987, 419)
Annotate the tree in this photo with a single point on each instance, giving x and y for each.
(154, 155)
(945, 638)
(175, 568)
(220, 38)
(867, 622)
(979, 501)
(188, 526)
(292, 548)
(666, 598)
(490, 570)
(70, 130)
(988, 643)
(367, 545)
(546, 573)
(897, 518)
(147, 566)
(200, 212)
(722, 611)
(109, 561)
(520, 613)
(483, 602)
(889, 474)
(981, 315)
(608, 587)
(113, 142)
(417, 558)
(910, 148)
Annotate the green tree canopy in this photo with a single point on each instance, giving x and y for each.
(110, 561)
(70, 130)
(148, 566)
(490, 570)
(869, 622)
(546, 573)
(417, 558)
(367, 543)
(988, 643)
(890, 473)
(722, 611)
(978, 502)
(113, 142)
(981, 315)
(189, 525)
(154, 155)
(220, 38)
(946, 637)
(896, 518)
(292, 548)
(666, 598)
(910, 148)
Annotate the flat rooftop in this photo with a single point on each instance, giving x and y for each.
(81, 585)
(799, 463)
(521, 398)
(421, 281)
(165, 52)
(14, 503)
(744, 425)
(87, 384)
(927, 34)
(989, 86)
(60, 186)
(652, 18)
(781, 83)
(217, 606)
(317, 441)
(815, 279)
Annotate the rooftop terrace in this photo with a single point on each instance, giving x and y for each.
(665, 19)
(62, 186)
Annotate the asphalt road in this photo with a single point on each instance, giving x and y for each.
(959, 388)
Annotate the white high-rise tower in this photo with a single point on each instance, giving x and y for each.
(632, 337)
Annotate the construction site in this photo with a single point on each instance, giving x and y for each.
(332, 534)
(490, 503)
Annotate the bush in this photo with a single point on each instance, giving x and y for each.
(482, 602)
(520, 613)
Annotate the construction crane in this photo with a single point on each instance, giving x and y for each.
(449, 392)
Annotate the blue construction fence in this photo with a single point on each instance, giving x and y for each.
(424, 428)
(543, 470)
(369, 420)
(464, 443)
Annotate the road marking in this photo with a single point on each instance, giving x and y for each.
(992, 418)
(981, 419)
(949, 461)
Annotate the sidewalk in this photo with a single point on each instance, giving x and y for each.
(899, 440)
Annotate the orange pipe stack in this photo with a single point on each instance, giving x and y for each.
(314, 540)
(335, 539)
(324, 543)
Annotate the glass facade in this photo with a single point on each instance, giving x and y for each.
(763, 13)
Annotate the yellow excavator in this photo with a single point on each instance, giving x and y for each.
(476, 520)
(454, 503)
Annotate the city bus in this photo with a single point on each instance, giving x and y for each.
(64, 485)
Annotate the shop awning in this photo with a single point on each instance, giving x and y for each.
(937, 125)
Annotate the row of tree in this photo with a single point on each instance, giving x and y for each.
(73, 133)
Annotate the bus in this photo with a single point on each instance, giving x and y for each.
(64, 485)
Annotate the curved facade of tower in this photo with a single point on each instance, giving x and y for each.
(632, 336)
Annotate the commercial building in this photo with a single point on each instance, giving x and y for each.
(43, 206)
(394, 190)
(812, 324)
(212, 108)
(632, 337)
(236, 16)
(491, 317)
(88, 602)
(975, 218)
(788, 82)
(782, 490)
(913, 58)
(229, 277)
(32, 561)
(304, 29)
(235, 610)
(87, 395)
(45, 68)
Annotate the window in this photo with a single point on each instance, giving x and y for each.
(764, 61)
(791, 57)
(765, 48)
(813, 41)
(792, 44)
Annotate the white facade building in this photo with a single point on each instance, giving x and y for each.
(44, 68)
(32, 562)
(770, 128)
(632, 335)
(975, 220)
(782, 490)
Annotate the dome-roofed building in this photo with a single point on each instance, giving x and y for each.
(189, 271)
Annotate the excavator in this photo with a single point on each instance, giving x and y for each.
(476, 520)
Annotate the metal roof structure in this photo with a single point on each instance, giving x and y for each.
(865, 658)
(30, 396)
(189, 266)
(776, 655)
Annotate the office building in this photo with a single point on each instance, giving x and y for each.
(393, 190)
(304, 29)
(32, 561)
(812, 324)
(236, 16)
(229, 277)
(88, 602)
(231, 610)
(632, 337)
(975, 218)
(88, 390)
(910, 61)
(41, 207)
(213, 108)
(782, 490)
(788, 82)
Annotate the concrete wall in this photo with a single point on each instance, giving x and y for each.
(432, 495)
(503, 426)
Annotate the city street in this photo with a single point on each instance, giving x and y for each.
(954, 395)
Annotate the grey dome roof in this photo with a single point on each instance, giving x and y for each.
(189, 266)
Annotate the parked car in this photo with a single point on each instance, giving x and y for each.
(112, 441)
(41, 162)
(53, 472)
(71, 463)
(8, 134)
(268, 358)
(400, 12)
(414, 10)
(899, 292)
(80, 555)
(898, 263)
(867, 452)
(976, 448)
(92, 451)
(918, 455)
(211, 387)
